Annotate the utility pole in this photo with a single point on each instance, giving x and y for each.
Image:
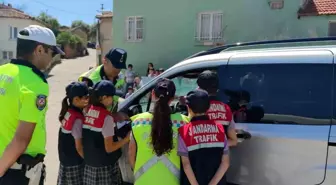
(99, 50)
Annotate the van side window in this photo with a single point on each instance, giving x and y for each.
(279, 93)
(183, 86)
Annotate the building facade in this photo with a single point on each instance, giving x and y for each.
(11, 22)
(166, 32)
(105, 33)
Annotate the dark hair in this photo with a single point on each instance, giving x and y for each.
(130, 65)
(162, 131)
(25, 48)
(66, 104)
(211, 91)
(65, 107)
(94, 98)
(152, 65)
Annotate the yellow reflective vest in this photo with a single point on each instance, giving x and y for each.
(149, 168)
(95, 77)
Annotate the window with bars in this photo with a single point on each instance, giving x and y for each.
(13, 31)
(134, 28)
(209, 26)
(276, 4)
(332, 28)
(7, 55)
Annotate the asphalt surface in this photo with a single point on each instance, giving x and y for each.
(61, 75)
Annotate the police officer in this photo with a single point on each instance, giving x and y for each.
(113, 62)
(202, 144)
(153, 145)
(23, 96)
(218, 110)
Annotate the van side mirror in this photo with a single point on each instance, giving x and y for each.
(134, 110)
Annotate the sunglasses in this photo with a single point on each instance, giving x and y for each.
(53, 49)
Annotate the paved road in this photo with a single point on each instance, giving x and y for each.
(60, 76)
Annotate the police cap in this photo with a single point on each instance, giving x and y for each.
(76, 89)
(117, 57)
(198, 101)
(104, 88)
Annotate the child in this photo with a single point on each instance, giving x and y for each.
(101, 145)
(161, 70)
(130, 91)
(130, 75)
(151, 72)
(70, 148)
(137, 83)
(202, 137)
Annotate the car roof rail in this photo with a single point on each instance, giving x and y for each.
(257, 43)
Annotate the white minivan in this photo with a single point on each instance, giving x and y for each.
(291, 110)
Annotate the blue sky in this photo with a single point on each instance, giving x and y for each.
(64, 10)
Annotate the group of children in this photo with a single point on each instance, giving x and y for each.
(89, 147)
(90, 133)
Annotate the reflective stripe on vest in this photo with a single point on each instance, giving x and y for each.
(146, 167)
(148, 121)
(205, 145)
(154, 160)
(88, 73)
(94, 76)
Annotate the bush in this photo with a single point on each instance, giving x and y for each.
(65, 38)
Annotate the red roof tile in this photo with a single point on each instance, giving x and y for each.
(106, 14)
(9, 12)
(318, 7)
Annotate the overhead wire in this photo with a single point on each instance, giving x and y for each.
(59, 9)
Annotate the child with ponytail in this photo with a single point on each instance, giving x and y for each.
(70, 148)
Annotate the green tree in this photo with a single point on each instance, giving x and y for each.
(79, 23)
(50, 22)
(93, 32)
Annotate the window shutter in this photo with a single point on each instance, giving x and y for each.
(11, 32)
(15, 32)
(217, 26)
(332, 28)
(139, 28)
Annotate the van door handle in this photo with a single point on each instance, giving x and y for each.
(242, 134)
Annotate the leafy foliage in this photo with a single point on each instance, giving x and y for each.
(65, 38)
(50, 22)
(93, 32)
(79, 23)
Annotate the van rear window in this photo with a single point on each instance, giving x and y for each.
(284, 92)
